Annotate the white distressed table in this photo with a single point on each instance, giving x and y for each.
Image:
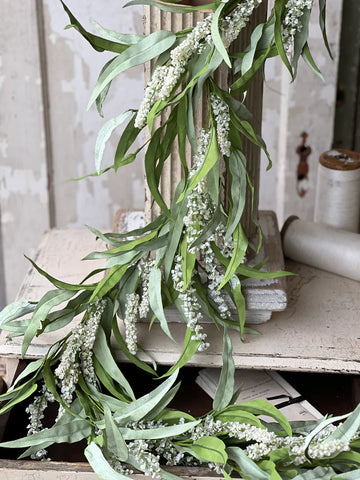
(319, 331)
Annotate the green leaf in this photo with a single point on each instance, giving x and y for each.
(137, 409)
(237, 162)
(162, 404)
(71, 432)
(318, 473)
(103, 354)
(114, 441)
(98, 43)
(172, 8)
(174, 237)
(301, 38)
(181, 132)
(245, 465)
(155, 298)
(120, 341)
(239, 301)
(310, 61)
(108, 382)
(50, 300)
(127, 139)
(59, 283)
(234, 413)
(352, 475)
(216, 37)
(252, 272)
(143, 51)
(211, 449)
(158, 433)
(151, 157)
(100, 465)
(104, 135)
(346, 430)
(187, 263)
(211, 157)
(240, 247)
(16, 310)
(248, 58)
(123, 38)
(279, 9)
(322, 22)
(23, 395)
(189, 349)
(108, 283)
(262, 407)
(225, 388)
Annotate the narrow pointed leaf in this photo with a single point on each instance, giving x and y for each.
(156, 302)
(143, 51)
(225, 388)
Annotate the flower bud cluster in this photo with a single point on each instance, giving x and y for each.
(144, 305)
(148, 462)
(77, 357)
(36, 414)
(222, 119)
(130, 318)
(292, 21)
(237, 20)
(166, 77)
(191, 306)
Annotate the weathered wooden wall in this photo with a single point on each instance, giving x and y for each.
(47, 137)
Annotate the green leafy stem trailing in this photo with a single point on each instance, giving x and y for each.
(191, 256)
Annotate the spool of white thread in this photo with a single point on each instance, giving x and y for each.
(322, 246)
(337, 200)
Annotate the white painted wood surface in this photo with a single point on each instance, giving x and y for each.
(32, 470)
(319, 331)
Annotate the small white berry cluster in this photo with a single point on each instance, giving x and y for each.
(232, 24)
(222, 119)
(137, 307)
(148, 462)
(77, 357)
(291, 23)
(130, 318)
(36, 414)
(144, 306)
(166, 77)
(191, 307)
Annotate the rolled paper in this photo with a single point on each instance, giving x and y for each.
(322, 246)
(337, 200)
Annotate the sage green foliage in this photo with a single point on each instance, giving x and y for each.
(106, 411)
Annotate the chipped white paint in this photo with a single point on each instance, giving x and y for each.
(308, 105)
(23, 176)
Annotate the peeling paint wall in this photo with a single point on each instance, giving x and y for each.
(23, 175)
(307, 105)
(72, 67)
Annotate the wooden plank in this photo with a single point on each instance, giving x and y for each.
(312, 334)
(31, 470)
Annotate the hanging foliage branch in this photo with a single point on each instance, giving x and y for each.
(191, 256)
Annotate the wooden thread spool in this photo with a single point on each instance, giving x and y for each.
(338, 190)
(322, 246)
